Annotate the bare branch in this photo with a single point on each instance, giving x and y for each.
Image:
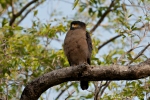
(103, 16)
(62, 91)
(83, 72)
(123, 55)
(98, 89)
(20, 12)
(140, 53)
(70, 94)
(12, 7)
(25, 7)
(105, 86)
(22, 18)
(111, 39)
(133, 47)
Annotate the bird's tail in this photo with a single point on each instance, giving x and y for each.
(84, 85)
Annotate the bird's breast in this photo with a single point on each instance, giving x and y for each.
(75, 46)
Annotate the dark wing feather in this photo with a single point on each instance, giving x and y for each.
(84, 84)
(89, 42)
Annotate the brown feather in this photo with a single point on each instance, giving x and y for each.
(78, 48)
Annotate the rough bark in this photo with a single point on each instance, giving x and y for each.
(84, 72)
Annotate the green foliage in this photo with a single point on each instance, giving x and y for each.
(23, 57)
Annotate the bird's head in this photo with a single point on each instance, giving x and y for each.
(77, 24)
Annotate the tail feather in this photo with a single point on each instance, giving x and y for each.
(84, 85)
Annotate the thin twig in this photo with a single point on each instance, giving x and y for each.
(97, 90)
(111, 39)
(122, 56)
(28, 12)
(12, 7)
(105, 86)
(62, 91)
(140, 53)
(69, 94)
(103, 16)
(20, 12)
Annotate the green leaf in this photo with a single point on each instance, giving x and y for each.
(75, 3)
(18, 28)
(89, 96)
(4, 22)
(35, 12)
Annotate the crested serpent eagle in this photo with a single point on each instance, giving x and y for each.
(78, 46)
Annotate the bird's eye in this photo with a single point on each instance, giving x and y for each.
(75, 25)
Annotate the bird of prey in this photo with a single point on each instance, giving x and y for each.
(78, 47)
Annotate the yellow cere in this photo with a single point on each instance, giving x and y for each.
(75, 25)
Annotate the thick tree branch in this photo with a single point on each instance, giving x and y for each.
(34, 89)
(103, 16)
(20, 12)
